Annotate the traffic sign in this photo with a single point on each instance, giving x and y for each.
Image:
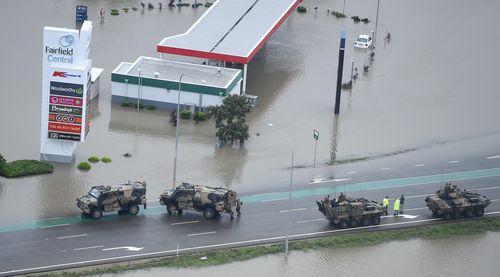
(315, 135)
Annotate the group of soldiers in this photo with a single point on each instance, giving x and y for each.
(238, 209)
(397, 205)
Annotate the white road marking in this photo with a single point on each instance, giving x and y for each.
(320, 181)
(351, 172)
(201, 234)
(90, 247)
(497, 187)
(419, 165)
(227, 244)
(292, 210)
(385, 168)
(58, 225)
(311, 220)
(185, 222)
(408, 216)
(128, 248)
(157, 213)
(493, 157)
(51, 218)
(262, 194)
(453, 162)
(276, 199)
(416, 196)
(493, 200)
(75, 236)
(414, 209)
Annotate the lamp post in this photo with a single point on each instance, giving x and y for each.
(178, 123)
(376, 25)
(289, 190)
(139, 83)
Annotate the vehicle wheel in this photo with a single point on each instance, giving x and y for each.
(180, 211)
(133, 209)
(353, 223)
(376, 220)
(435, 213)
(172, 209)
(446, 216)
(96, 213)
(455, 214)
(365, 221)
(209, 213)
(479, 212)
(343, 224)
(469, 213)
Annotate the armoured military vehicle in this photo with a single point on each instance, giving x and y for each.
(350, 212)
(451, 202)
(210, 200)
(125, 198)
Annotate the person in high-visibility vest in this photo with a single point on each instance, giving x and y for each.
(385, 204)
(396, 206)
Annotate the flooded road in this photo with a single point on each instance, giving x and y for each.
(433, 83)
(473, 255)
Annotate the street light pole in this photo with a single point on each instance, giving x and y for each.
(177, 125)
(289, 190)
(177, 128)
(376, 24)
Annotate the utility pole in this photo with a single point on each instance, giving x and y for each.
(339, 71)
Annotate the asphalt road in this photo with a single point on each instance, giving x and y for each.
(58, 243)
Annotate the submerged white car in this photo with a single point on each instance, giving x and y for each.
(363, 41)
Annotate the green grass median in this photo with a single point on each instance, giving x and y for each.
(223, 256)
(25, 167)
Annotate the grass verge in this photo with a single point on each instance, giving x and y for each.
(25, 167)
(223, 256)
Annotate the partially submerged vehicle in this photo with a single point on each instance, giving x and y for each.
(100, 199)
(210, 200)
(451, 202)
(350, 212)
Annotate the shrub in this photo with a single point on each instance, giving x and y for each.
(186, 114)
(94, 159)
(347, 85)
(25, 167)
(84, 166)
(134, 8)
(114, 12)
(338, 14)
(152, 107)
(141, 106)
(125, 10)
(301, 9)
(200, 116)
(125, 104)
(365, 20)
(106, 160)
(356, 19)
(208, 4)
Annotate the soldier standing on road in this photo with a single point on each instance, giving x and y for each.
(396, 206)
(230, 211)
(401, 203)
(385, 204)
(238, 206)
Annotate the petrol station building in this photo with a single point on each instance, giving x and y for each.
(223, 41)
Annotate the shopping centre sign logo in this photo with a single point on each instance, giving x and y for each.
(64, 74)
(62, 53)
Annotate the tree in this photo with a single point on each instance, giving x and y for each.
(230, 119)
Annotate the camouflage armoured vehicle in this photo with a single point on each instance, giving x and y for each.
(126, 197)
(210, 200)
(450, 202)
(350, 212)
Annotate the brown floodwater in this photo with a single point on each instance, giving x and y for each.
(434, 82)
(474, 255)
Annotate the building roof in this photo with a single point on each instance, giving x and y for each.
(231, 30)
(167, 74)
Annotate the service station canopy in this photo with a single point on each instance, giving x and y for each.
(231, 31)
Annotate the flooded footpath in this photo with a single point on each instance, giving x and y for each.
(471, 255)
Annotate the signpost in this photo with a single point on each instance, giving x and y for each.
(316, 137)
(65, 91)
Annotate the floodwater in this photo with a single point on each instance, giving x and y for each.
(474, 255)
(434, 82)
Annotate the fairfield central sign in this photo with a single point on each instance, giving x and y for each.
(65, 91)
